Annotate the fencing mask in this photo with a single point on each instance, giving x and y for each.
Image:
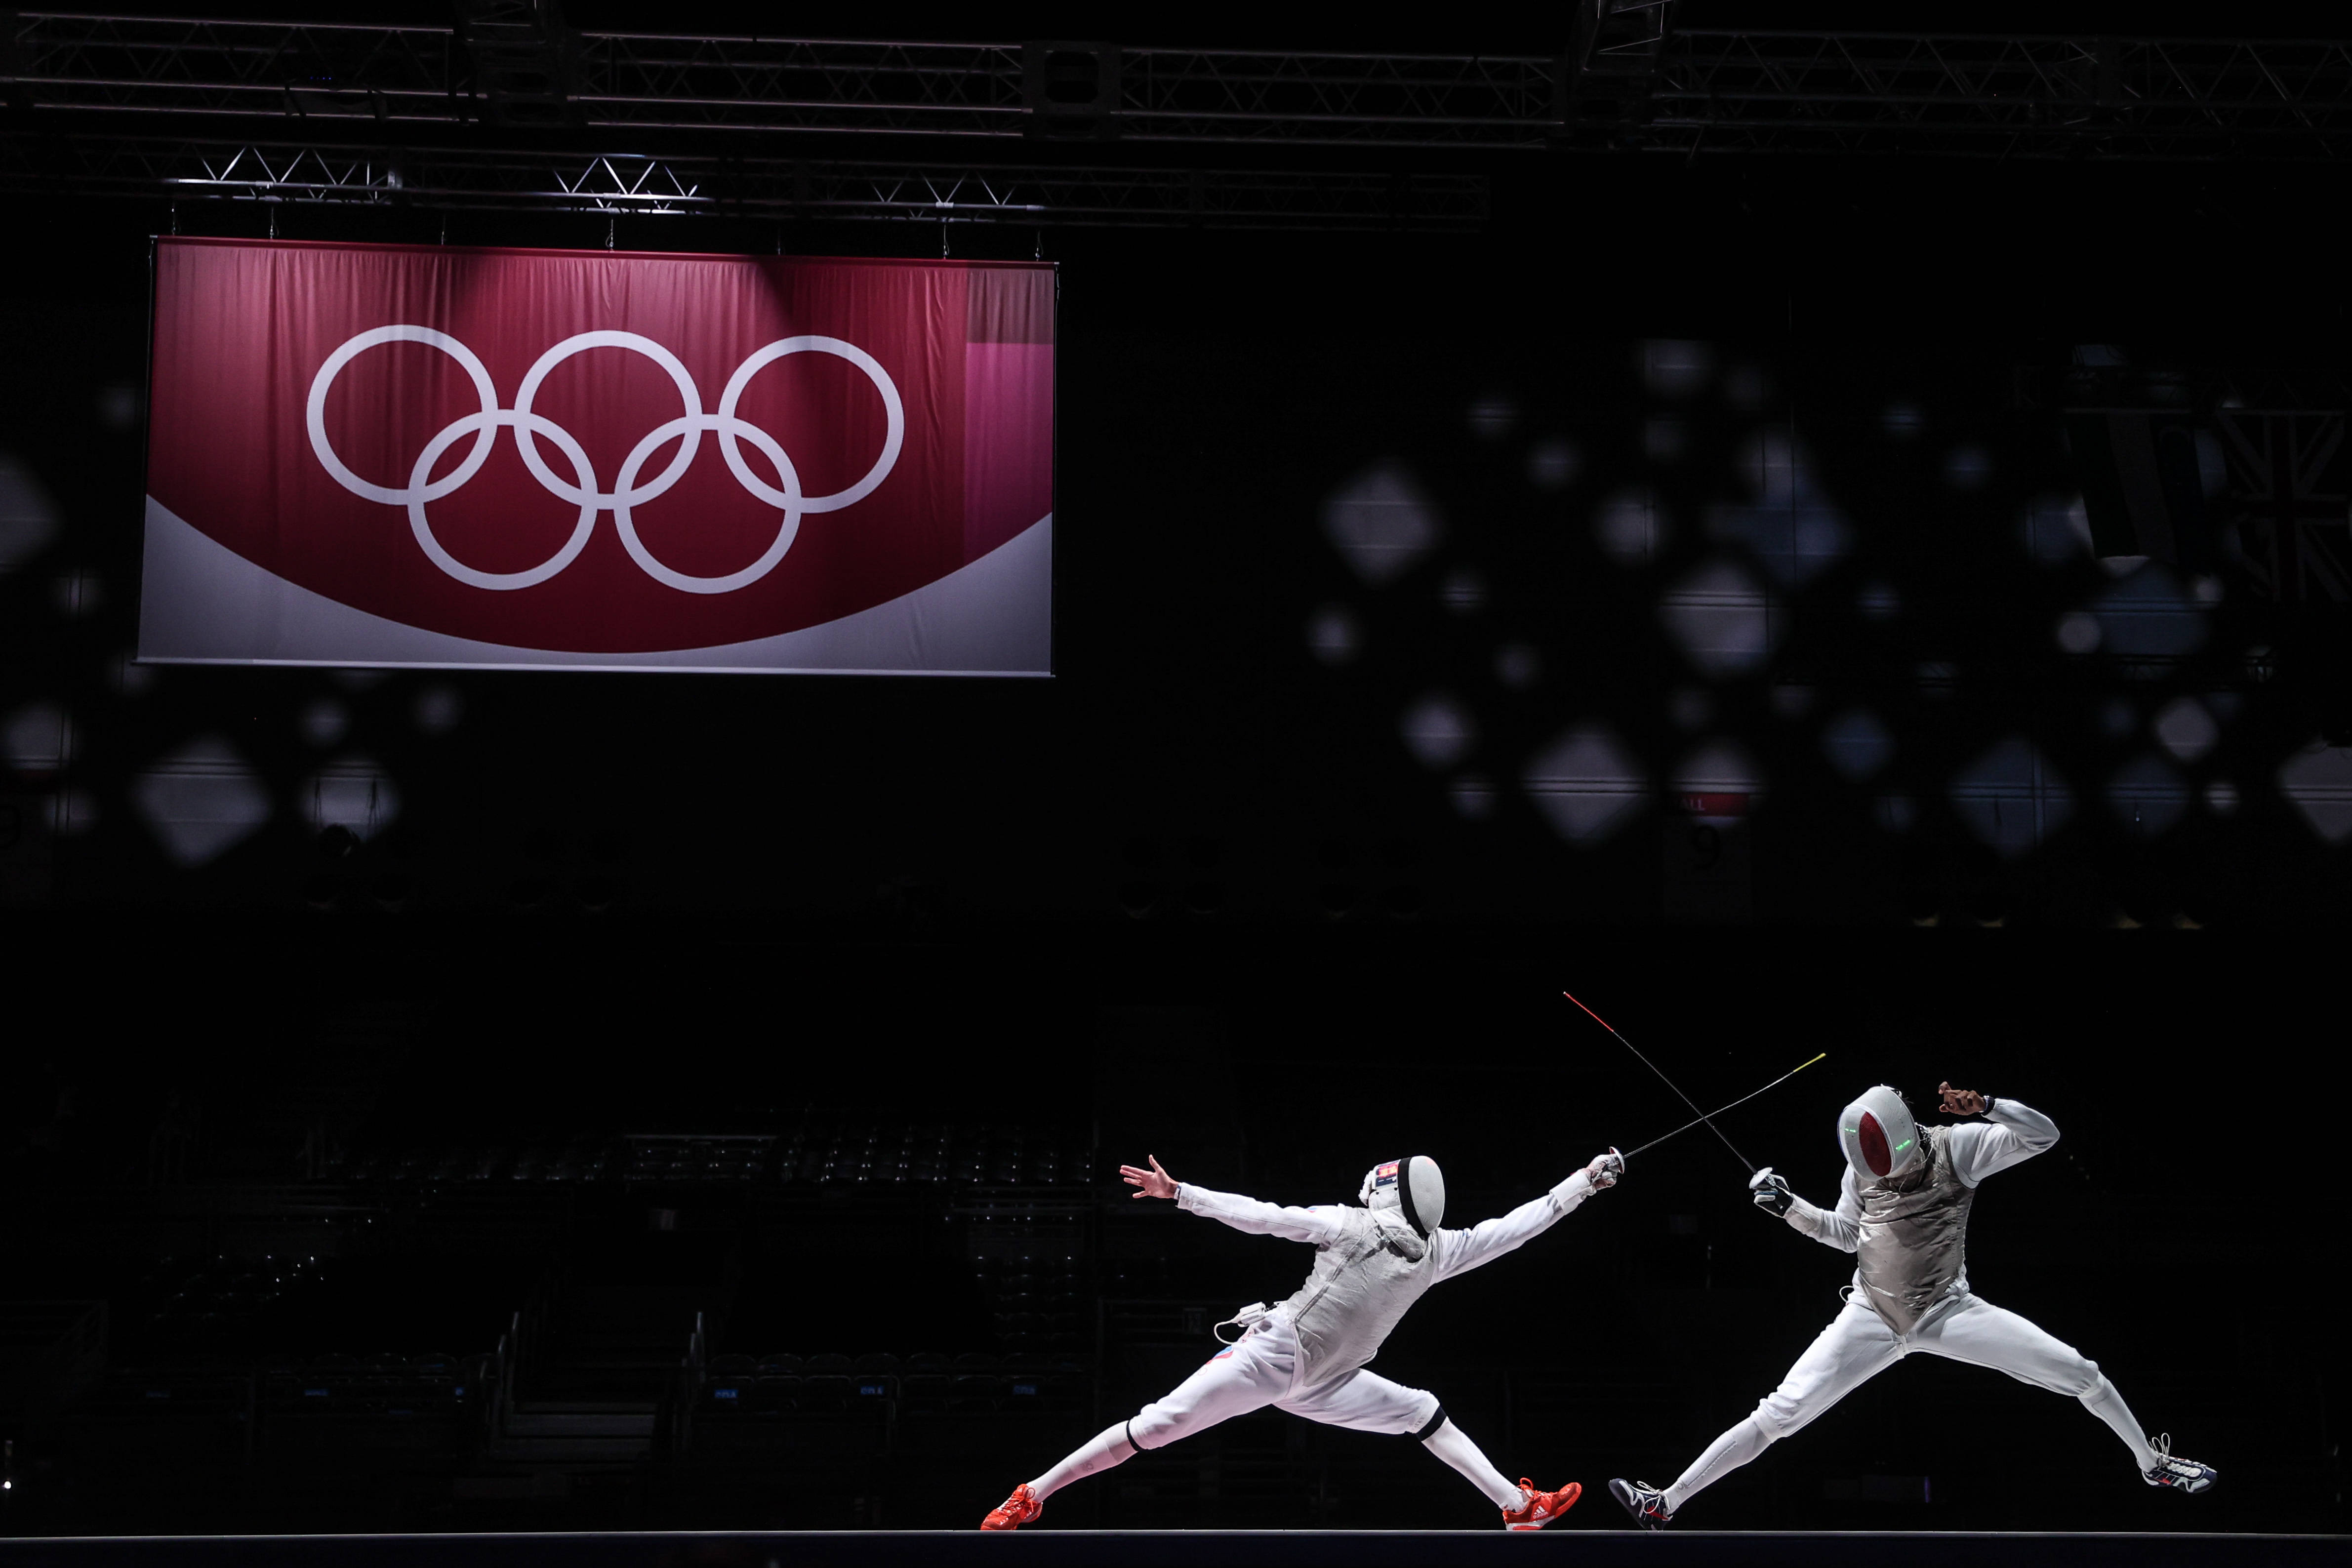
(1877, 1134)
(1411, 1186)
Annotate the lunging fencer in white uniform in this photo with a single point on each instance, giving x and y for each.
(1904, 1211)
(1307, 1354)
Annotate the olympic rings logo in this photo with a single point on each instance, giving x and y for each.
(626, 493)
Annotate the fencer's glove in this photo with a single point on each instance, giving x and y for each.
(1771, 1192)
(1606, 1170)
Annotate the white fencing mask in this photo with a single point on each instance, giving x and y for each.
(1413, 1187)
(1877, 1134)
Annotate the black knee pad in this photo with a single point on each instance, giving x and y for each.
(1429, 1430)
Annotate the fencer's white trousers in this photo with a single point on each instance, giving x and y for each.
(1858, 1345)
(1262, 1370)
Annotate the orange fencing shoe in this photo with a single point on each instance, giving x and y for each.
(1540, 1508)
(1021, 1507)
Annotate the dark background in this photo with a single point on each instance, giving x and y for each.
(1195, 896)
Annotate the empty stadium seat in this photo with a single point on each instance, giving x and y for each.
(976, 1392)
(826, 1391)
(925, 1390)
(725, 1394)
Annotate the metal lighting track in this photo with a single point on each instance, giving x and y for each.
(499, 111)
(519, 179)
(1958, 94)
(130, 65)
(2016, 97)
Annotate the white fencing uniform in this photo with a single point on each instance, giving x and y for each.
(1911, 1294)
(1307, 1354)
(1265, 1367)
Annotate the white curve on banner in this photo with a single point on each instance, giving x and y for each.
(626, 493)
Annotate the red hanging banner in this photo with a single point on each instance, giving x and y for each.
(413, 455)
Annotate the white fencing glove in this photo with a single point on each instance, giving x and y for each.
(1771, 1192)
(1606, 1170)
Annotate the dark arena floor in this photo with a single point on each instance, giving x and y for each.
(1171, 1548)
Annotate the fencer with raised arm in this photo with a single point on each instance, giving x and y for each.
(1902, 1210)
(1308, 1354)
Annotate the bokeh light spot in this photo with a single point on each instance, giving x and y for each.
(1677, 366)
(1381, 523)
(1586, 784)
(2185, 729)
(1438, 730)
(2318, 780)
(200, 800)
(1332, 635)
(1518, 666)
(2011, 797)
(1720, 617)
(1552, 464)
(1631, 528)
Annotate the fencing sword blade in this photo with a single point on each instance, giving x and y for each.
(1596, 1017)
(1743, 1100)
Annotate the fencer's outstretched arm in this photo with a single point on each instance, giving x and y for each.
(1317, 1226)
(1458, 1251)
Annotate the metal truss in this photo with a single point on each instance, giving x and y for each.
(2047, 96)
(525, 180)
(508, 109)
(159, 66)
(1628, 79)
(120, 65)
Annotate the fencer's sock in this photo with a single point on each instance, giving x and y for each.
(2108, 1405)
(1453, 1445)
(1106, 1448)
(1645, 1502)
(2177, 1474)
(1740, 1443)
